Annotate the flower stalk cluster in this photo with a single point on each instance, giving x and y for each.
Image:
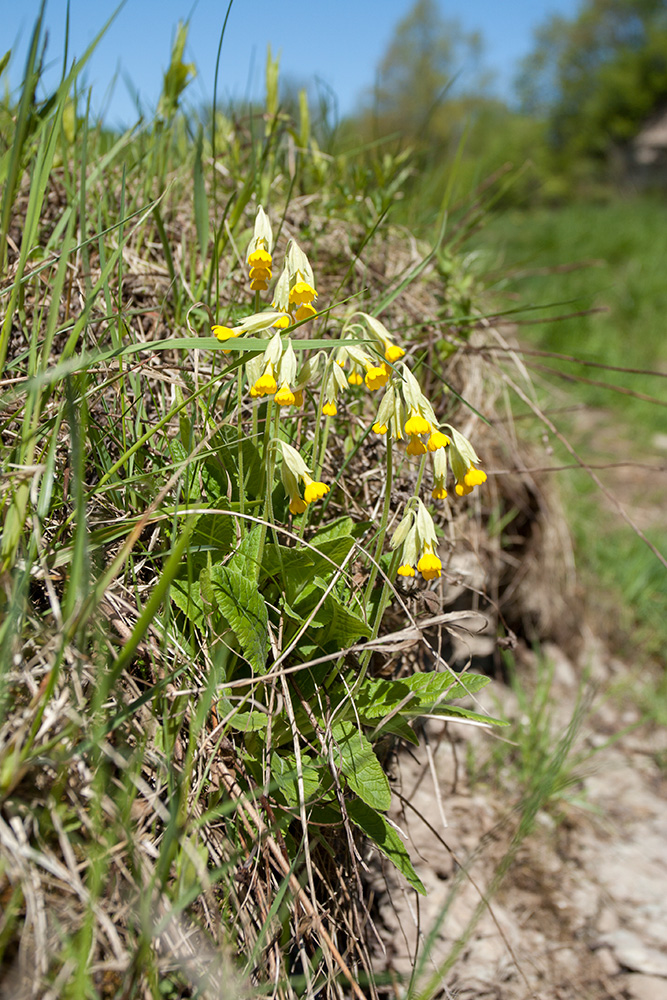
(365, 356)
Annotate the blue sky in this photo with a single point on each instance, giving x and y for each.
(340, 42)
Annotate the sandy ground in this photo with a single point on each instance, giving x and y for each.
(581, 911)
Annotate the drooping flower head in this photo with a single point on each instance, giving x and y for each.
(439, 491)
(265, 384)
(259, 252)
(464, 463)
(333, 383)
(421, 419)
(281, 299)
(301, 282)
(293, 469)
(380, 333)
(416, 534)
(286, 375)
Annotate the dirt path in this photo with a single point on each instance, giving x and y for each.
(582, 910)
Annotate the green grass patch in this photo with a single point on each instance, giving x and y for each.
(607, 257)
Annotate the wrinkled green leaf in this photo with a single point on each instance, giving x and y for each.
(355, 756)
(375, 698)
(213, 535)
(284, 774)
(186, 595)
(246, 558)
(244, 610)
(387, 840)
(430, 687)
(335, 541)
(345, 627)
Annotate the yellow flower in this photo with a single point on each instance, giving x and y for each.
(314, 490)
(429, 565)
(266, 384)
(223, 333)
(282, 323)
(416, 446)
(376, 377)
(463, 458)
(439, 493)
(416, 534)
(380, 333)
(259, 252)
(406, 570)
(393, 353)
(260, 258)
(302, 294)
(437, 440)
(379, 428)
(298, 397)
(355, 378)
(259, 278)
(330, 409)
(305, 311)
(294, 468)
(473, 477)
(417, 424)
(284, 396)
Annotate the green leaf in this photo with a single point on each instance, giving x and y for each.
(375, 698)
(345, 627)
(357, 761)
(284, 773)
(186, 595)
(244, 609)
(386, 839)
(335, 541)
(431, 688)
(213, 535)
(246, 558)
(249, 722)
(310, 597)
(396, 726)
(214, 479)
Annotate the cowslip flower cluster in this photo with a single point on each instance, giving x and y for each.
(292, 470)
(295, 289)
(406, 414)
(464, 462)
(376, 375)
(416, 535)
(259, 253)
(366, 355)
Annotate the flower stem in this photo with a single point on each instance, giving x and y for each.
(239, 446)
(386, 510)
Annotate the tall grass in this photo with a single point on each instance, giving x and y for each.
(200, 680)
(191, 722)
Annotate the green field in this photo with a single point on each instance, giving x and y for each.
(609, 257)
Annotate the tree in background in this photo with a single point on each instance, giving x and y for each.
(425, 61)
(597, 77)
(432, 93)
